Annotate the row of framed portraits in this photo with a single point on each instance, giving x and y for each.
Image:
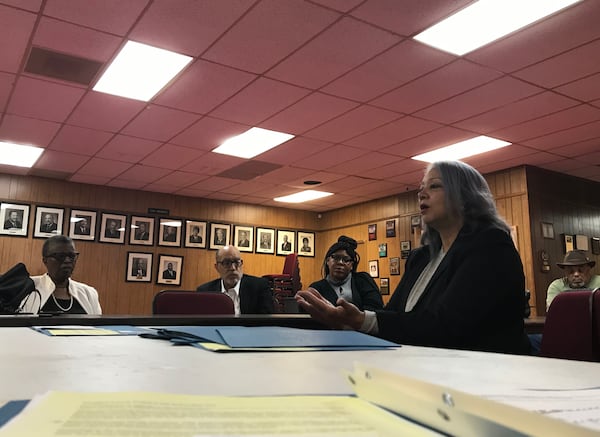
(169, 268)
(107, 227)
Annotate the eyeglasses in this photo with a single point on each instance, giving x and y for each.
(341, 258)
(227, 263)
(61, 256)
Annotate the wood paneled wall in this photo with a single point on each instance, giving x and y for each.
(572, 206)
(103, 265)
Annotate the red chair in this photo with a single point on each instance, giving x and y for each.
(568, 330)
(285, 285)
(178, 302)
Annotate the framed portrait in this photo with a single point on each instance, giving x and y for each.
(113, 228)
(169, 232)
(139, 267)
(169, 270)
(15, 219)
(142, 230)
(220, 235)
(82, 224)
(415, 221)
(384, 285)
(265, 240)
(568, 242)
(404, 249)
(595, 245)
(547, 230)
(390, 228)
(581, 242)
(286, 242)
(195, 234)
(306, 243)
(374, 268)
(394, 266)
(382, 250)
(243, 237)
(372, 232)
(48, 221)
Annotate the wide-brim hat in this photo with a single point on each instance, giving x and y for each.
(576, 258)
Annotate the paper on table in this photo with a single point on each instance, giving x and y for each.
(75, 330)
(148, 414)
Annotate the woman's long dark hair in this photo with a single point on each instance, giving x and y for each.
(343, 243)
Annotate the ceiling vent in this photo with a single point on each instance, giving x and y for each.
(249, 170)
(60, 66)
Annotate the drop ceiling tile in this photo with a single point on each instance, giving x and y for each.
(392, 133)
(563, 165)
(104, 111)
(143, 173)
(202, 87)
(394, 67)
(170, 156)
(102, 168)
(308, 113)
(484, 98)
(89, 179)
(339, 5)
(180, 179)
(591, 159)
(79, 140)
(365, 165)
(60, 161)
(346, 183)
(258, 101)
(44, 100)
(400, 167)
(191, 192)
(16, 28)
(159, 124)
(214, 183)
(567, 136)
(285, 175)
(30, 5)
(343, 46)
(112, 16)
(128, 149)
(75, 40)
(512, 151)
(246, 188)
(523, 110)
(371, 188)
(586, 89)
(329, 157)
(208, 133)
(187, 26)
(353, 123)
(127, 184)
(427, 142)
(321, 176)
(581, 148)
(269, 32)
(28, 130)
(210, 163)
(6, 84)
(293, 150)
(448, 81)
(587, 172)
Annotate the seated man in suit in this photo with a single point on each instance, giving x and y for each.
(250, 294)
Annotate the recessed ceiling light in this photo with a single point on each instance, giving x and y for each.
(485, 21)
(303, 196)
(463, 149)
(312, 182)
(140, 71)
(252, 142)
(19, 155)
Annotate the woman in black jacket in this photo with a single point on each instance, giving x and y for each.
(342, 280)
(463, 289)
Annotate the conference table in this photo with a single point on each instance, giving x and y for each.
(32, 363)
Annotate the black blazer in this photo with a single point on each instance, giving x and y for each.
(365, 293)
(474, 300)
(255, 294)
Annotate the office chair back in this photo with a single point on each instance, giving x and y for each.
(179, 302)
(569, 327)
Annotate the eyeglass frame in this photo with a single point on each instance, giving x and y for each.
(62, 256)
(228, 263)
(346, 260)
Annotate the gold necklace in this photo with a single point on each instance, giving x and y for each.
(64, 310)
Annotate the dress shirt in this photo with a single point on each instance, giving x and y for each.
(234, 294)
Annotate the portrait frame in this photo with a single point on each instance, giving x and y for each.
(384, 286)
(105, 228)
(78, 232)
(582, 242)
(372, 229)
(265, 240)
(22, 210)
(189, 234)
(141, 237)
(291, 238)
(58, 218)
(405, 248)
(162, 266)
(595, 245)
(382, 250)
(374, 268)
(394, 265)
(310, 236)
(390, 228)
(415, 221)
(214, 242)
(548, 230)
(568, 242)
(248, 244)
(134, 275)
(169, 232)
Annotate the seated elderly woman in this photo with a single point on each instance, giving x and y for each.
(463, 289)
(57, 291)
(342, 279)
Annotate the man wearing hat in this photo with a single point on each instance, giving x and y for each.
(578, 275)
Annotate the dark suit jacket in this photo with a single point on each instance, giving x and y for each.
(365, 293)
(286, 246)
(474, 300)
(48, 227)
(255, 294)
(10, 225)
(169, 274)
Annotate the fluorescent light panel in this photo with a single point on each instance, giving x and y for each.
(19, 155)
(252, 142)
(463, 149)
(485, 21)
(303, 196)
(140, 71)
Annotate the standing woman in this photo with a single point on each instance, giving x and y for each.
(463, 289)
(342, 279)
